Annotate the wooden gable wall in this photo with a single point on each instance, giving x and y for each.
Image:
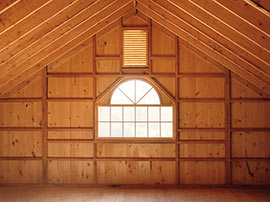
(47, 126)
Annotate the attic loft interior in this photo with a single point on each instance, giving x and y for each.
(140, 100)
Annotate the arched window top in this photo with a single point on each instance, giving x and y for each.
(135, 92)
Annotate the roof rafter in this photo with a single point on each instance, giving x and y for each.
(249, 12)
(18, 12)
(228, 36)
(213, 49)
(55, 50)
(217, 35)
(24, 33)
(254, 35)
(6, 4)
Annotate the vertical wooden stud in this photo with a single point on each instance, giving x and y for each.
(176, 110)
(227, 95)
(149, 52)
(44, 87)
(94, 111)
(121, 45)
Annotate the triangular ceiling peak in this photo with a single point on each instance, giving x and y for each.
(221, 30)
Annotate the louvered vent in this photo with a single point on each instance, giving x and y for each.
(135, 48)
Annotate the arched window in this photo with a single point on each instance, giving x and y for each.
(135, 111)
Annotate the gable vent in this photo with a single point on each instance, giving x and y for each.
(135, 48)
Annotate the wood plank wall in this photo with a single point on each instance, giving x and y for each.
(47, 130)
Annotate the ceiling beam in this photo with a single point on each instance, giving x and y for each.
(34, 26)
(100, 21)
(6, 4)
(246, 10)
(218, 36)
(70, 28)
(229, 32)
(18, 12)
(175, 25)
(262, 4)
(229, 18)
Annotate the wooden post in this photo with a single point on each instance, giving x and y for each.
(44, 84)
(94, 112)
(177, 111)
(149, 52)
(227, 106)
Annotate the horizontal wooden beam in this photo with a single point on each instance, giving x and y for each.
(70, 128)
(202, 159)
(201, 99)
(201, 142)
(202, 75)
(133, 159)
(20, 99)
(69, 75)
(69, 99)
(21, 129)
(202, 129)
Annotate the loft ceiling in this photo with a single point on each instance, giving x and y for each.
(234, 33)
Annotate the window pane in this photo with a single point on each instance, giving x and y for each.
(154, 130)
(154, 113)
(129, 113)
(116, 129)
(129, 89)
(141, 129)
(129, 130)
(150, 98)
(119, 98)
(141, 113)
(104, 113)
(116, 113)
(166, 113)
(103, 129)
(166, 130)
(141, 88)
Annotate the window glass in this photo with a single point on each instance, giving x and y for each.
(135, 111)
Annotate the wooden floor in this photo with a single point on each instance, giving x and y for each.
(79, 194)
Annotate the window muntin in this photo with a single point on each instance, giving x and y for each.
(135, 111)
(135, 92)
(134, 48)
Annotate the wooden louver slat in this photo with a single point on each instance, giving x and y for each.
(135, 48)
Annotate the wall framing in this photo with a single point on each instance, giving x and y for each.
(61, 141)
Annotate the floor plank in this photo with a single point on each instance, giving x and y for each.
(38, 193)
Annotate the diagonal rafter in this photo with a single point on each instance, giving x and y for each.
(174, 25)
(55, 50)
(214, 33)
(55, 38)
(18, 12)
(18, 43)
(249, 12)
(250, 50)
(254, 35)
(73, 24)
(6, 4)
